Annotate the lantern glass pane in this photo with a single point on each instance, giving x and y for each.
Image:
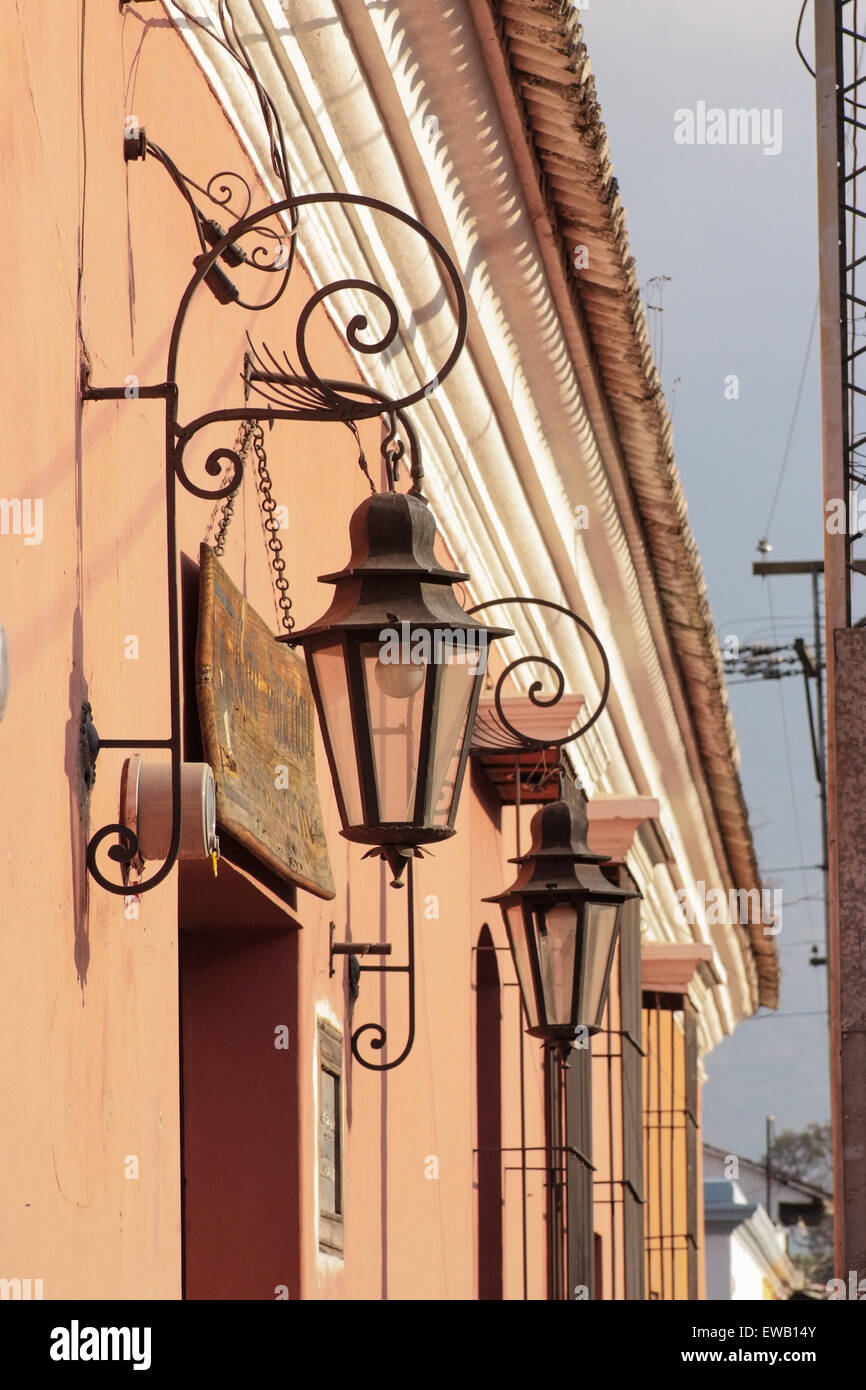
(332, 679)
(459, 670)
(395, 699)
(600, 922)
(557, 941)
(515, 925)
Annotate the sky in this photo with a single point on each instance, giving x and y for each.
(734, 227)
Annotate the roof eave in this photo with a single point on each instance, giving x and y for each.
(542, 51)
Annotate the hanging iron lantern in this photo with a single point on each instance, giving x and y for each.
(562, 919)
(396, 669)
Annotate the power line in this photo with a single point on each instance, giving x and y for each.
(795, 869)
(803, 1013)
(794, 415)
(803, 59)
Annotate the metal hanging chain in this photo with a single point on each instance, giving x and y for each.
(251, 435)
(283, 602)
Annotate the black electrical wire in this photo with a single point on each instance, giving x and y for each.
(797, 400)
(803, 59)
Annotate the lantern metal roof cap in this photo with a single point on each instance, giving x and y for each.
(559, 860)
(393, 533)
(393, 575)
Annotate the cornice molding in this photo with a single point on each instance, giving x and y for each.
(669, 968)
(614, 820)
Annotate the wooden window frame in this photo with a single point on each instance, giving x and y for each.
(330, 1059)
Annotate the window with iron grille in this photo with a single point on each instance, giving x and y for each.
(671, 1146)
(330, 1138)
(617, 1152)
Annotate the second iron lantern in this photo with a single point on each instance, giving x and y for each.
(562, 918)
(396, 669)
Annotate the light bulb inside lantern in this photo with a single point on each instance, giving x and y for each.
(399, 679)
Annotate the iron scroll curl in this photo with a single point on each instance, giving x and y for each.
(535, 692)
(221, 194)
(214, 465)
(126, 852)
(378, 1043)
(302, 393)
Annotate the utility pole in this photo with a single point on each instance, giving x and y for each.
(838, 174)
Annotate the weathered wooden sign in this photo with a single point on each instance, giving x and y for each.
(258, 724)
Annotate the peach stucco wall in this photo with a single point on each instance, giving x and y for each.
(89, 1046)
(97, 254)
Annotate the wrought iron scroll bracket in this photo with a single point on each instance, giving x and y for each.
(379, 1036)
(286, 392)
(536, 696)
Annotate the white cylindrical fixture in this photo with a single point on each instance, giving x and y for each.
(146, 799)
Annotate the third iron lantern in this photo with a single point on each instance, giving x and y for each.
(562, 919)
(396, 669)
